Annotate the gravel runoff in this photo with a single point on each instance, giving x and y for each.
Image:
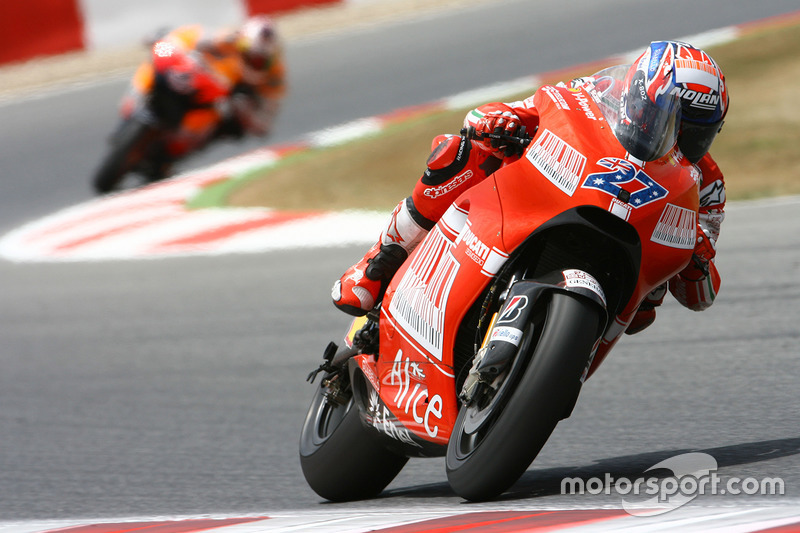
(20, 78)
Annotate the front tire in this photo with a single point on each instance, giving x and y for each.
(127, 149)
(341, 460)
(493, 442)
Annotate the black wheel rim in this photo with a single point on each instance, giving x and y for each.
(475, 421)
(328, 416)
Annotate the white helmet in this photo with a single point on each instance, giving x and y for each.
(258, 41)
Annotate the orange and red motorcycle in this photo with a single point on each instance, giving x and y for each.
(172, 110)
(487, 332)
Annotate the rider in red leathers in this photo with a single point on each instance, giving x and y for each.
(457, 163)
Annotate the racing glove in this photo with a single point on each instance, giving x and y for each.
(705, 250)
(696, 286)
(497, 119)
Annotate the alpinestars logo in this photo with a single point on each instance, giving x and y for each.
(713, 194)
(436, 192)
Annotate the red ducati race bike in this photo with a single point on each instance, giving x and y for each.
(172, 110)
(489, 329)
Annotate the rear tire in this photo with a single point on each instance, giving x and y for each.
(341, 460)
(494, 442)
(127, 148)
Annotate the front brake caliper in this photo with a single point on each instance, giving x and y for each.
(335, 389)
(473, 380)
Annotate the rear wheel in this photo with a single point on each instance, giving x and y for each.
(341, 460)
(127, 149)
(498, 435)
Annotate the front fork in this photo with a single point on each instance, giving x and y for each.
(505, 332)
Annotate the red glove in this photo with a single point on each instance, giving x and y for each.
(497, 119)
(697, 285)
(704, 251)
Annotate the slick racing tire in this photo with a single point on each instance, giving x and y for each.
(341, 460)
(127, 147)
(495, 440)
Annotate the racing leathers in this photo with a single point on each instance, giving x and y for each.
(255, 94)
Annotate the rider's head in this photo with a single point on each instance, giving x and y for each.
(258, 42)
(649, 106)
(704, 98)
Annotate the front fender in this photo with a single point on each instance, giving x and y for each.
(506, 330)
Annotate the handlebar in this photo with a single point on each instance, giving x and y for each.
(515, 144)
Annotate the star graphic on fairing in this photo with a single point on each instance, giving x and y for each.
(624, 172)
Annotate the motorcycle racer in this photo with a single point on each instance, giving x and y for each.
(247, 62)
(457, 163)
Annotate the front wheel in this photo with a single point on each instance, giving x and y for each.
(341, 461)
(496, 438)
(128, 147)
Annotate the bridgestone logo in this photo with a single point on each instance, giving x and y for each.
(557, 161)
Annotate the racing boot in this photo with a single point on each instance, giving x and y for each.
(362, 286)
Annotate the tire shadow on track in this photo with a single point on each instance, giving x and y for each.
(549, 481)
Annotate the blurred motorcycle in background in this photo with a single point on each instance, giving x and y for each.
(173, 111)
(196, 87)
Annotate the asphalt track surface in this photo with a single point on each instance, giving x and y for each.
(176, 387)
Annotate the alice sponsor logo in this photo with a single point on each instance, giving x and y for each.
(406, 372)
